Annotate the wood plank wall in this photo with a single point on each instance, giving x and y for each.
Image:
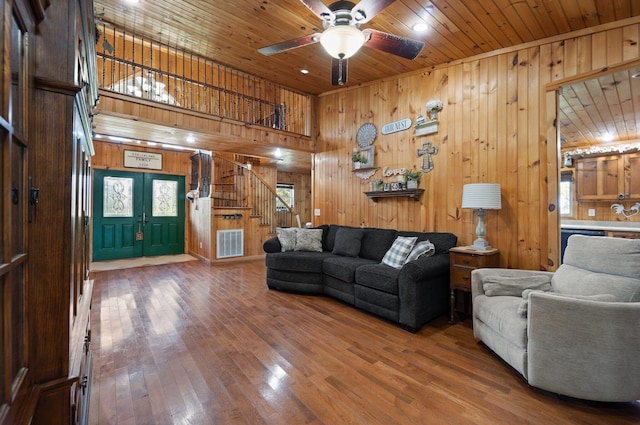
(495, 127)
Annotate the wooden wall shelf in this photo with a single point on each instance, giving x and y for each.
(412, 193)
(365, 172)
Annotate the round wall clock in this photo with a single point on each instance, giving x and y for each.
(366, 135)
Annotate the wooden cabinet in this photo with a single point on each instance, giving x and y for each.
(462, 261)
(45, 295)
(608, 178)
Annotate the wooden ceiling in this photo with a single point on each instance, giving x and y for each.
(608, 105)
(230, 32)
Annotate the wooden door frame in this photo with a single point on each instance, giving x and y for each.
(550, 111)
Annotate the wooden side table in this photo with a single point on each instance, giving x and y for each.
(462, 261)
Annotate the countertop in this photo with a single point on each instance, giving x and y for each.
(620, 226)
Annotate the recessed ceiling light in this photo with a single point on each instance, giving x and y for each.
(304, 71)
(607, 137)
(119, 139)
(420, 27)
(277, 153)
(191, 139)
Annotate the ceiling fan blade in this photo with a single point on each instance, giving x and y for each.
(319, 9)
(367, 9)
(339, 69)
(394, 44)
(290, 44)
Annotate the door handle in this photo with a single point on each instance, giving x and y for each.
(145, 218)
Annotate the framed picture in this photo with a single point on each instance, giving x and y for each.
(369, 153)
(395, 186)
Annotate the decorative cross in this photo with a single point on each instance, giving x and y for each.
(427, 150)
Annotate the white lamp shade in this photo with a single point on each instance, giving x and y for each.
(484, 196)
(342, 41)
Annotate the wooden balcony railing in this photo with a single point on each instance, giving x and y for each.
(138, 67)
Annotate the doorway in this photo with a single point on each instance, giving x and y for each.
(137, 214)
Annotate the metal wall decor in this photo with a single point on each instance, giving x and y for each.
(627, 212)
(396, 126)
(426, 152)
(366, 135)
(364, 138)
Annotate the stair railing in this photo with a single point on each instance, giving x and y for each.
(235, 184)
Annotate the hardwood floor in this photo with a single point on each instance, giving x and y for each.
(189, 343)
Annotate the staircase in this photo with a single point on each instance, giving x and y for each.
(236, 185)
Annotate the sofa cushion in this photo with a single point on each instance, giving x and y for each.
(509, 285)
(442, 242)
(501, 315)
(585, 252)
(343, 268)
(298, 261)
(329, 239)
(348, 241)
(400, 249)
(287, 238)
(376, 242)
(573, 280)
(421, 249)
(308, 240)
(378, 276)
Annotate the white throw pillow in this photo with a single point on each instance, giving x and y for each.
(308, 240)
(287, 238)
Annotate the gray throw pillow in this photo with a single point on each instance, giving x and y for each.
(348, 242)
(513, 286)
(421, 249)
(287, 238)
(308, 240)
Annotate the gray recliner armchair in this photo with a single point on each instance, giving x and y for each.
(575, 332)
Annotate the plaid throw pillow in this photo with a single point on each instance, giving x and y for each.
(397, 254)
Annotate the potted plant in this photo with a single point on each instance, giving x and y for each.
(358, 158)
(413, 178)
(376, 185)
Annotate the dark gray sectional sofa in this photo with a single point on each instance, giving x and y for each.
(410, 296)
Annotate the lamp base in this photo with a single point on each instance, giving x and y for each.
(481, 245)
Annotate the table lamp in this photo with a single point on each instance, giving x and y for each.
(481, 197)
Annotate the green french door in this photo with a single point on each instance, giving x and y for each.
(137, 214)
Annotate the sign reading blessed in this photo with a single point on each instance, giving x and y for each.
(396, 126)
(148, 160)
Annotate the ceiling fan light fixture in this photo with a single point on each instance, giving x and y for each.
(420, 27)
(342, 41)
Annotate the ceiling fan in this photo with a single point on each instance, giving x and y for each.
(342, 36)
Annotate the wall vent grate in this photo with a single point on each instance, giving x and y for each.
(230, 243)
